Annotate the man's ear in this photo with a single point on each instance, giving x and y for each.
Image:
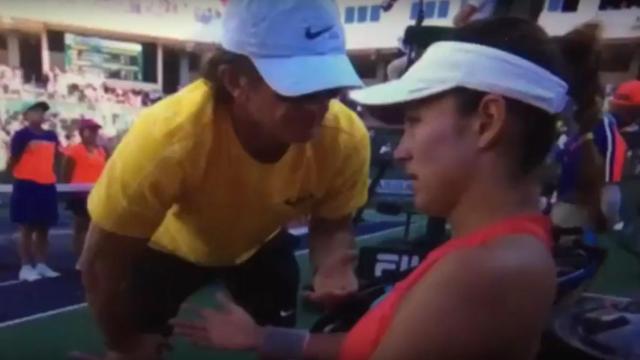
(491, 118)
(232, 80)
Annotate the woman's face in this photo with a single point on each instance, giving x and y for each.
(438, 150)
(89, 135)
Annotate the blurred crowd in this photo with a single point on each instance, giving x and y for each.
(619, 4)
(202, 12)
(72, 96)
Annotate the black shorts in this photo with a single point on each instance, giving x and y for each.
(34, 204)
(266, 285)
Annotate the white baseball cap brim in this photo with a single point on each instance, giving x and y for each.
(397, 92)
(301, 75)
(448, 65)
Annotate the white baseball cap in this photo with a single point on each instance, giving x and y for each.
(298, 46)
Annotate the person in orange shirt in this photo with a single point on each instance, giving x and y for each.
(83, 164)
(34, 205)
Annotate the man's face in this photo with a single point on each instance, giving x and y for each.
(34, 117)
(288, 119)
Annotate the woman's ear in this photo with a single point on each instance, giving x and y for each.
(491, 120)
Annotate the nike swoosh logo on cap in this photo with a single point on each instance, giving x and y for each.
(312, 35)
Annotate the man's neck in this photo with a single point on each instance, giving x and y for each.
(255, 140)
(35, 128)
(492, 199)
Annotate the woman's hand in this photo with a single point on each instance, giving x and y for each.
(227, 328)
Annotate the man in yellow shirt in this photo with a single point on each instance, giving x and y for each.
(200, 188)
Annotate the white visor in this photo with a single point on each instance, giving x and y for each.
(450, 64)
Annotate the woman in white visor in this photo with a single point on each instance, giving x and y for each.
(479, 114)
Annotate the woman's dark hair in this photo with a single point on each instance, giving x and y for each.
(537, 128)
(221, 57)
(581, 49)
(573, 58)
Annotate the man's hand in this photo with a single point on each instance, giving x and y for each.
(150, 347)
(465, 14)
(335, 280)
(333, 257)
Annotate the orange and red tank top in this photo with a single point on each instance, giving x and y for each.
(35, 151)
(89, 164)
(365, 337)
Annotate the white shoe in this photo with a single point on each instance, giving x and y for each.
(45, 271)
(619, 226)
(28, 273)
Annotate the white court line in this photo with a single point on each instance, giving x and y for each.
(9, 283)
(607, 297)
(8, 188)
(364, 238)
(41, 315)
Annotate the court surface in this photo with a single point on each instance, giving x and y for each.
(47, 319)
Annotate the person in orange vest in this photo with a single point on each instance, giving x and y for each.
(83, 164)
(34, 203)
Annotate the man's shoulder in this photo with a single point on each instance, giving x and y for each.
(180, 113)
(343, 124)
(22, 132)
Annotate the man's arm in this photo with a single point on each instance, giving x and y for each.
(127, 205)
(105, 264)
(465, 14)
(330, 241)
(18, 145)
(12, 162)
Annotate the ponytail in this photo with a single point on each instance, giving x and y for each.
(580, 49)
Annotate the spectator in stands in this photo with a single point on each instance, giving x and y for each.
(34, 203)
(474, 10)
(592, 159)
(622, 120)
(624, 106)
(618, 4)
(83, 164)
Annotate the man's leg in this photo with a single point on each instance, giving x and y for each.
(159, 284)
(45, 214)
(40, 250)
(27, 272)
(267, 284)
(24, 245)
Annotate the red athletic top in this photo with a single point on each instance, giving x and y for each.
(363, 340)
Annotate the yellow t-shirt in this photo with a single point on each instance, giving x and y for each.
(181, 178)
